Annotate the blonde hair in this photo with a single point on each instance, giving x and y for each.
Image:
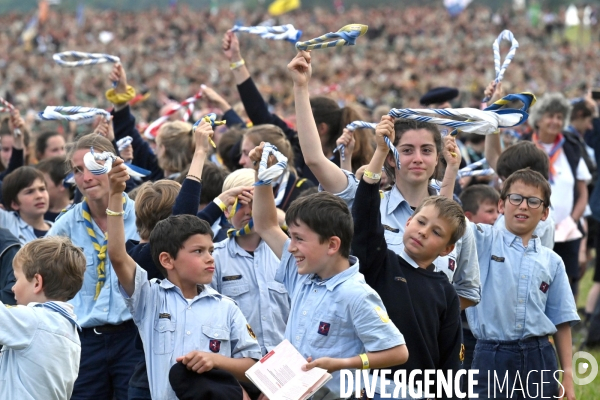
(178, 141)
(240, 177)
(154, 202)
(60, 263)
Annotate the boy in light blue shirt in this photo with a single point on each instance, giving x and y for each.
(525, 297)
(336, 320)
(40, 357)
(245, 271)
(180, 319)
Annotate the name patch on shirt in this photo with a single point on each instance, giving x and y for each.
(497, 259)
(164, 315)
(214, 345)
(323, 328)
(544, 287)
(451, 264)
(389, 228)
(232, 278)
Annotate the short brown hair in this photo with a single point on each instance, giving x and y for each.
(16, 181)
(274, 135)
(523, 154)
(450, 211)
(60, 263)
(154, 202)
(529, 178)
(475, 195)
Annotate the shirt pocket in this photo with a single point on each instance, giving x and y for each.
(393, 239)
(324, 330)
(217, 340)
(279, 299)
(234, 290)
(164, 336)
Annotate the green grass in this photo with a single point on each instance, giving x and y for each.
(591, 390)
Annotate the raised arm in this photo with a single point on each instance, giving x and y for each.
(188, 199)
(122, 263)
(368, 242)
(124, 125)
(329, 175)
(451, 154)
(264, 212)
(493, 148)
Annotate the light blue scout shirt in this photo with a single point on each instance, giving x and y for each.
(109, 308)
(172, 326)
(339, 317)
(20, 229)
(460, 265)
(40, 358)
(250, 281)
(525, 291)
(544, 229)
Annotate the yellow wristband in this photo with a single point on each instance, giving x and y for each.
(120, 98)
(372, 175)
(237, 64)
(111, 213)
(221, 205)
(365, 361)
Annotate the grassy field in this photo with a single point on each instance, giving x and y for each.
(592, 390)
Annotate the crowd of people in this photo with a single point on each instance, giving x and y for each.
(169, 54)
(162, 263)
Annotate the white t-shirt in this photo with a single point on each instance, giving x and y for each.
(563, 184)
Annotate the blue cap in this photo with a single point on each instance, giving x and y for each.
(439, 95)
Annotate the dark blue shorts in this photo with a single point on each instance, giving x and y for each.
(522, 359)
(108, 357)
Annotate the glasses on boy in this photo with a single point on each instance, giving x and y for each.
(532, 202)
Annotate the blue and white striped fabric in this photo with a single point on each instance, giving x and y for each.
(483, 122)
(123, 143)
(266, 176)
(500, 69)
(352, 126)
(77, 114)
(91, 159)
(346, 36)
(83, 58)
(470, 170)
(57, 308)
(283, 32)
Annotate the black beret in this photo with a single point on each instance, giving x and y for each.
(215, 384)
(439, 95)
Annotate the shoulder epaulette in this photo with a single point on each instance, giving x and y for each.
(64, 211)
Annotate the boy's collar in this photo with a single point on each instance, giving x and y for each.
(510, 239)
(203, 290)
(331, 283)
(409, 259)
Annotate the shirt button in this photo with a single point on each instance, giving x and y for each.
(264, 318)
(189, 333)
(521, 301)
(523, 276)
(216, 335)
(315, 290)
(519, 326)
(105, 309)
(303, 312)
(189, 308)
(297, 337)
